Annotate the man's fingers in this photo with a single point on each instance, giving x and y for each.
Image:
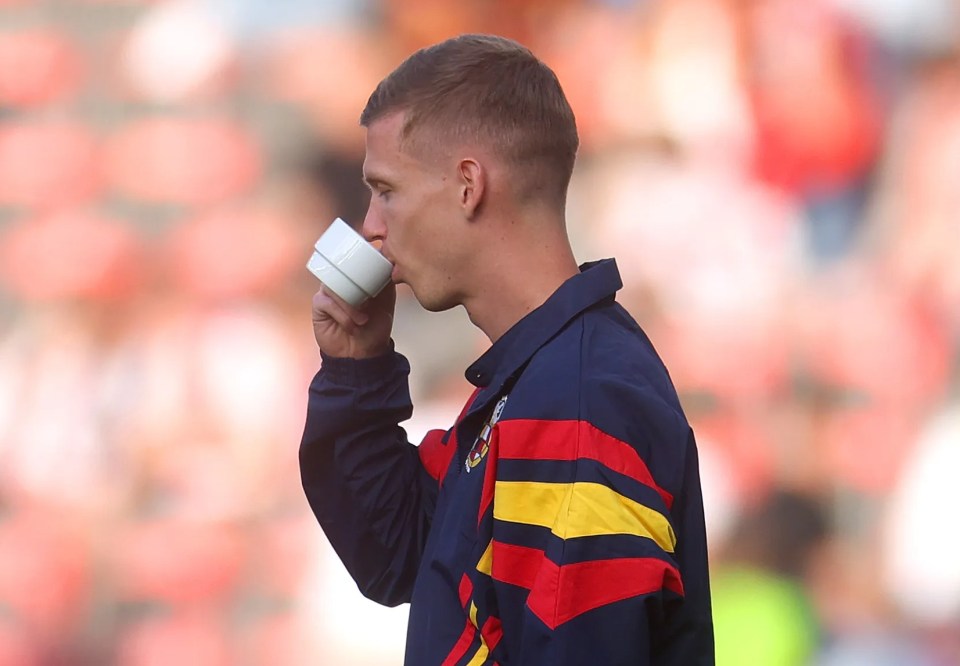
(327, 308)
(358, 316)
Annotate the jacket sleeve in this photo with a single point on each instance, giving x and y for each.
(362, 478)
(617, 574)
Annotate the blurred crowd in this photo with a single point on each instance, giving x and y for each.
(778, 179)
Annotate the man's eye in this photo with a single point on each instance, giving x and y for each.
(383, 194)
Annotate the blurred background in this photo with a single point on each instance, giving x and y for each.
(778, 179)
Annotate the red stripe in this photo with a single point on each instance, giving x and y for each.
(531, 439)
(435, 455)
(559, 594)
(466, 589)
(516, 565)
(563, 593)
(489, 476)
(462, 645)
(492, 632)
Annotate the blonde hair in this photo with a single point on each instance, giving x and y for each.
(490, 90)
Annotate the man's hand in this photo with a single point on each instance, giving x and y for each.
(346, 332)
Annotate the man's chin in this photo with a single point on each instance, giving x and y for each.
(439, 308)
(434, 302)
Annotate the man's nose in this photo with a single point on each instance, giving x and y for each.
(373, 228)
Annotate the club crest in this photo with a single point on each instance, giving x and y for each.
(482, 445)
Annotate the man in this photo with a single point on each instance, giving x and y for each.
(559, 521)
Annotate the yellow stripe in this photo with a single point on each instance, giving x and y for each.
(579, 509)
(482, 652)
(485, 565)
(480, 656)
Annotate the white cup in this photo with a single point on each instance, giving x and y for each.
(348, 265)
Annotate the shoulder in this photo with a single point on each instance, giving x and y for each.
(601, 356)
(602, 370)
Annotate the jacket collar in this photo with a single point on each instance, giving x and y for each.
(596, 282)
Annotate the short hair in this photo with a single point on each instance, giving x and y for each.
(492, 90)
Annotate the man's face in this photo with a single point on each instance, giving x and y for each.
(414, 212)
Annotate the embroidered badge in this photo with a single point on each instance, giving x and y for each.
(482, 445)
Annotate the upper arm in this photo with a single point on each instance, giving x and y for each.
(591, 512)
(584, 524)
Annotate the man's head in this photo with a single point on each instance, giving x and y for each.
(470, 149)
(488, 91)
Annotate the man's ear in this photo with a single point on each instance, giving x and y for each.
(473, 182)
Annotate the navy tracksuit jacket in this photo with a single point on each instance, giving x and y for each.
(558, 522)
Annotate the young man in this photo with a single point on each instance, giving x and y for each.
(559, 520)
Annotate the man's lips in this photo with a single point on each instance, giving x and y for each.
(386, 255)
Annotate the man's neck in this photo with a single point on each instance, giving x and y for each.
(517, 278)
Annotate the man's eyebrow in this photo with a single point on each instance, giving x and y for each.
(372, 181)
